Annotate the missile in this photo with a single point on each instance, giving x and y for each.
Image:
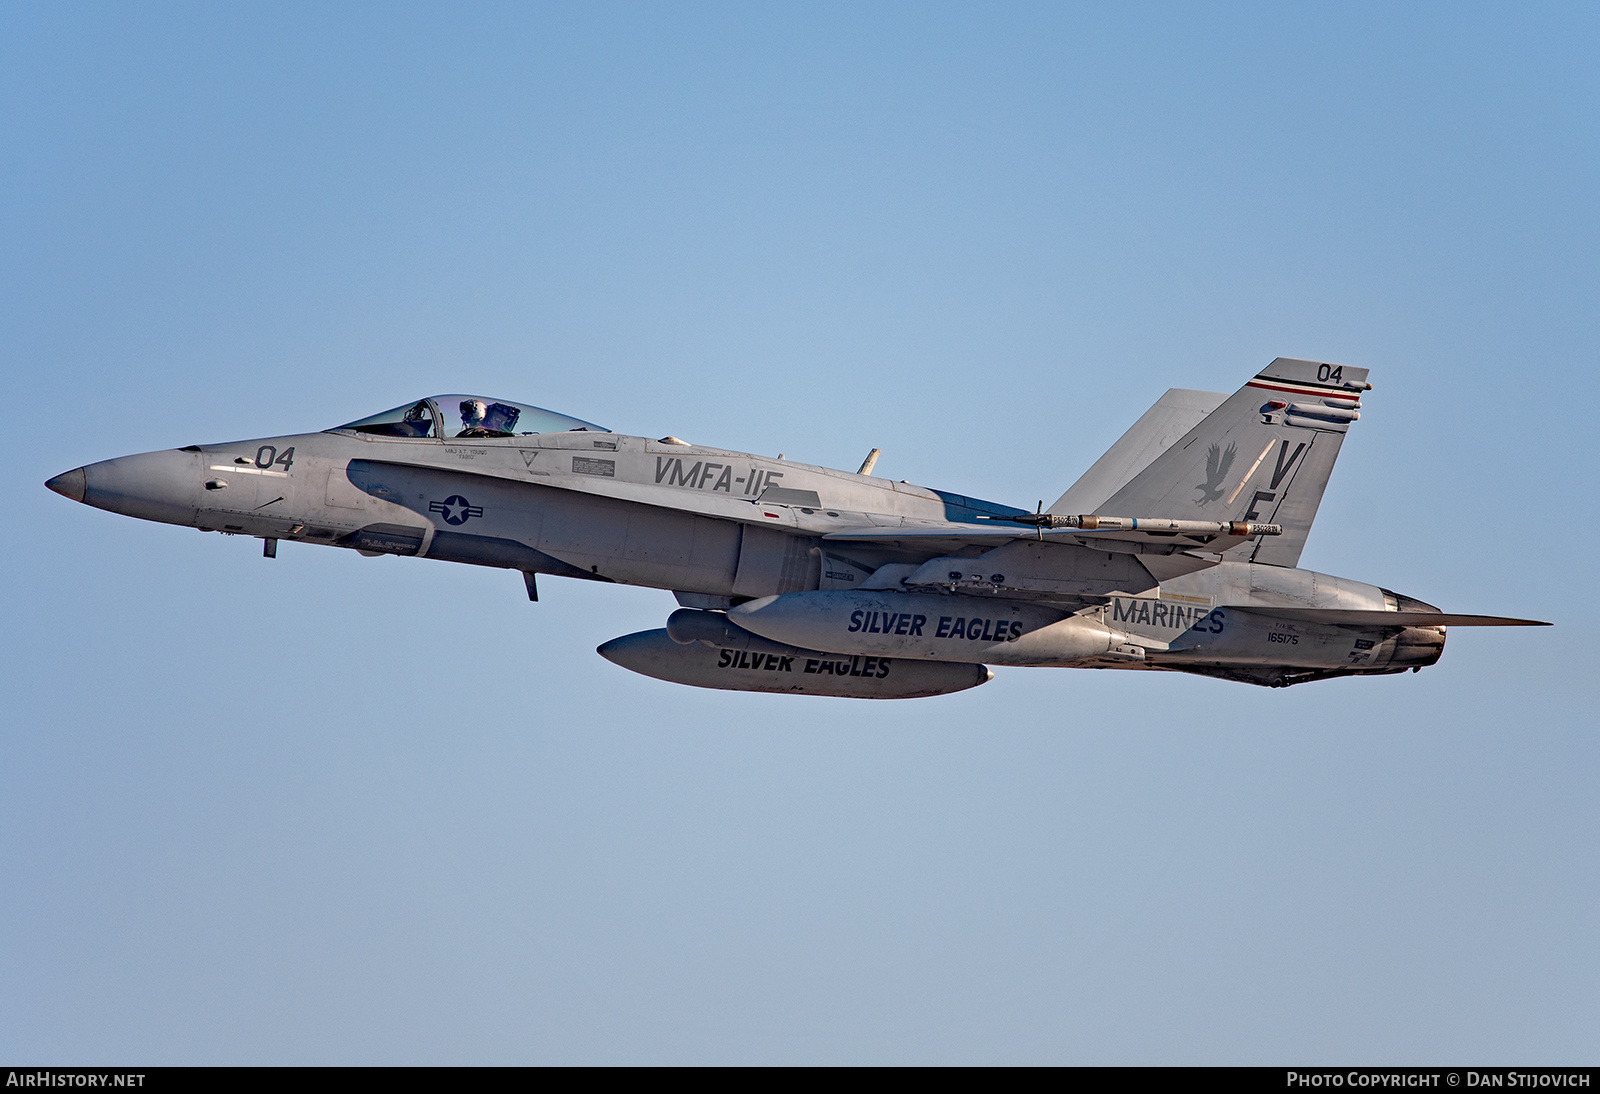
(926, 625)
(776, 667)
(1145, 524)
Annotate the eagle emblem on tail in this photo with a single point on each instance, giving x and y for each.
(1217, 464)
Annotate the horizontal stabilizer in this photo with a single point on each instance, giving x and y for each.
(1355, 618)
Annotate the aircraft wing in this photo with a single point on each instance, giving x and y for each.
(951, 535)
(1357, 618)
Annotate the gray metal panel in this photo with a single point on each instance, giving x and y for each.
(1026, 569)
(1302, 496)
(779, 495)
(494, 551)
(771, 562)
(703, 601)
(389, 539)
(1173, 415)
(701, 554)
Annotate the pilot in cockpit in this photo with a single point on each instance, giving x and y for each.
(480, 419)
(473, 412)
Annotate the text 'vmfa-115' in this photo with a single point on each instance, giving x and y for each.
(1177, 550)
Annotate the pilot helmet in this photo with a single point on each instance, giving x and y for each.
(473, 412)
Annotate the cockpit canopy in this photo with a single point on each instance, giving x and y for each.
(467, 417)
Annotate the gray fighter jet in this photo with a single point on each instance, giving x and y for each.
(1177, 550)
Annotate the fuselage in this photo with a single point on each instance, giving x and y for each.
(722, 528)
(613, 507)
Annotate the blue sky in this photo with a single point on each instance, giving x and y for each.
(327, 809)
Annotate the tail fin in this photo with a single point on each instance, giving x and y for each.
(1172, 416)
(1264, 455)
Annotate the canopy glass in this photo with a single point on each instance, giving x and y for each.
(468, 417)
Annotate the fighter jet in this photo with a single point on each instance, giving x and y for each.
(1176, 551)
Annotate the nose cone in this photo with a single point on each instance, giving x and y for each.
(163, 486)
(69, 484)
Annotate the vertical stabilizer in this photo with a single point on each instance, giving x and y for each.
(1264, 455)
(1172, 416)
